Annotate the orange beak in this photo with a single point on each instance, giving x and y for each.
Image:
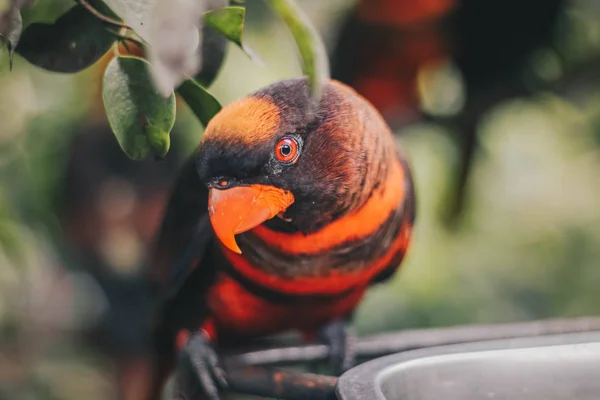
(239, 209)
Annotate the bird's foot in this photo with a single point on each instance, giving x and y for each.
(202, 377)
(340, 338)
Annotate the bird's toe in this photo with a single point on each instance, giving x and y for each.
(204, 377)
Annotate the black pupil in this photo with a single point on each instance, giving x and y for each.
(286, 149)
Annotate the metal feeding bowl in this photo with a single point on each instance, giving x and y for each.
(557, 367)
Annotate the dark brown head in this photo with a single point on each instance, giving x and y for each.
(267, 155)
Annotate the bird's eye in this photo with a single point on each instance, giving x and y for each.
(222, 183)
(286, 150)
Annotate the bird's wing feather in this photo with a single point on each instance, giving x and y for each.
(185, 233)
(409, 206)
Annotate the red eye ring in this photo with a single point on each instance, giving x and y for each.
(286, 150)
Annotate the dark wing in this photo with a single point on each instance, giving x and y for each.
(181, 268)
(185, 234)
(409, 211)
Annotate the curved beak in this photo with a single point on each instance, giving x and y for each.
(239, 209)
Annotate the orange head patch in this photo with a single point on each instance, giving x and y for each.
(249, 120)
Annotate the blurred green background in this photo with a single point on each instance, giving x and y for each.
(528, 246)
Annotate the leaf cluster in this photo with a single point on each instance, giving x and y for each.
(173, 47)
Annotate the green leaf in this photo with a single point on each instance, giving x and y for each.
(214, 46)
(312, 50)
(139, 115)
(201, 102)
(229, 21)
(74, 42)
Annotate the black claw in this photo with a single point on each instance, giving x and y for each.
(205, 378)
(341, 341)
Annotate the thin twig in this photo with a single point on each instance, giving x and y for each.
(123, 39)
(101, 16)
(126, 38)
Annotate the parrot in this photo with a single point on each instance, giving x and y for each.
(286, 213)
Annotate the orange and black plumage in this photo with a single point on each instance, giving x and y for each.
(293, 211)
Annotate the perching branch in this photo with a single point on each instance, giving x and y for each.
(379, 345)
(251, 372)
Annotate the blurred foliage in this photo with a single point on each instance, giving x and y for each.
(74, 42)
(180, 42)
(529, 246)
